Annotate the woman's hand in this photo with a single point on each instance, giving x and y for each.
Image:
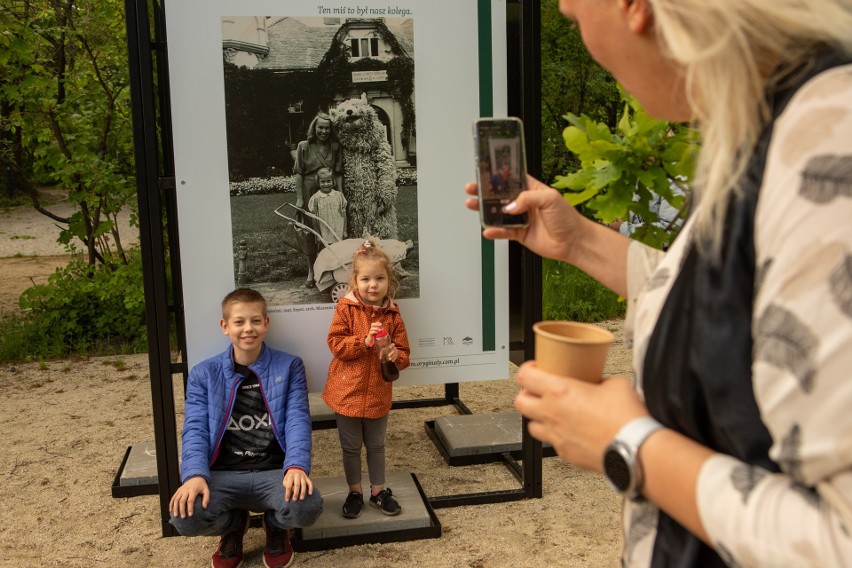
(300, 191)
(556, 230)
(579, 419)
(554, 224)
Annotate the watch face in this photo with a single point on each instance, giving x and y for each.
(617, 470)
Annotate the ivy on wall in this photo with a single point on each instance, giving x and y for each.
(334, 74)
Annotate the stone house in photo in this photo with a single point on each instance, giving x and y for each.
(344, 57)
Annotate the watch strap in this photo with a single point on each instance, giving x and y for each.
(634, 433)
(622, 467)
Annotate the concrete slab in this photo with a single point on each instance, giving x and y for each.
(480, 434)
(141, 466)
(333, 525)
(320, 412)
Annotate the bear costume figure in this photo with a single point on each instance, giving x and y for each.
(369, 171)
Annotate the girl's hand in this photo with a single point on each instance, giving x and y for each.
(554, 224)
(371, 335)
(579, 419)
(393, 353)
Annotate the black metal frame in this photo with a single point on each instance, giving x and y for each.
(164, 314)
(158, 240)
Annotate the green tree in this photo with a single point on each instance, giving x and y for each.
(571, 82)
(64, 100)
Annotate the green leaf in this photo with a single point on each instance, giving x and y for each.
(576, 141)
(619, 169)
(581, 197)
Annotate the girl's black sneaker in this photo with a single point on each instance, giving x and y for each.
(353, 505)
(386, 503)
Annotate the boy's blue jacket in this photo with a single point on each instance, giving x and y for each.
(210, 395)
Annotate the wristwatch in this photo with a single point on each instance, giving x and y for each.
(620, 461)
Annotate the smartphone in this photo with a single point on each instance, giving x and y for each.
(501, 169)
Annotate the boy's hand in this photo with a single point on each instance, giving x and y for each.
(297, 484)
(183, 501)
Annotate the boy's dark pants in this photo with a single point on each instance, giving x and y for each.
(258, 491)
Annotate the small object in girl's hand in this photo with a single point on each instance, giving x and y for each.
(390, 372)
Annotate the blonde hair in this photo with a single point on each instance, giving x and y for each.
(731, 51)
(370, 251)
(244, 295)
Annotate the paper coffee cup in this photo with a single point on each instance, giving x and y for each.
(572, 349)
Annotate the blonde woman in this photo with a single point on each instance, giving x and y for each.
(735, 447)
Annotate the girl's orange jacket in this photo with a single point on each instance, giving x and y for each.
(355, 386)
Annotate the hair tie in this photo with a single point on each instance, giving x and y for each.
(364, 247)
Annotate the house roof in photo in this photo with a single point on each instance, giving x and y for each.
(299, 44)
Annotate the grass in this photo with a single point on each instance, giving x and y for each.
(118, 364)
(22, 340)
(569, 294)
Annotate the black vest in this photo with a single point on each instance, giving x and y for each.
(697, 371)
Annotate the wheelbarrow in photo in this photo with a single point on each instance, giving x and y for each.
(333, 266)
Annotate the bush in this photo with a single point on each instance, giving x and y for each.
(287, 184)
(81, 309)
(263, 186)
(570, 294)
(406, 176)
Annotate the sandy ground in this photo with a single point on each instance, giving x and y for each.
(67, 424)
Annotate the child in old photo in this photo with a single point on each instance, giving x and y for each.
(329, 206)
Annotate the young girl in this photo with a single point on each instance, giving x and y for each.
(355, 389)
(329, 205)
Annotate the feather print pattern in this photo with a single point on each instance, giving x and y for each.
(809, 494)
(826, 178)
(658, 279)
(642, 524)
(790, 458)
(782, 340)
(840, 284)
(745, 478)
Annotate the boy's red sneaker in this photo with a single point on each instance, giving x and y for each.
(229, 554)
(278, 552)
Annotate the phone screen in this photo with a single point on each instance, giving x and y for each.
(501, 169)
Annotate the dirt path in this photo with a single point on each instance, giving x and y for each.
(29, 251)
(18, 274)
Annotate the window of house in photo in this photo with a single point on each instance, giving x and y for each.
(365, 47)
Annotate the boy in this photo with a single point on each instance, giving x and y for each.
(330, 206)
(237, 455)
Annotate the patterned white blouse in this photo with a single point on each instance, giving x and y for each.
(802, 378)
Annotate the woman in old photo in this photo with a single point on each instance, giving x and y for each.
(320, 150)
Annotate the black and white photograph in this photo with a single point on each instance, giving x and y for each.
(321, 144)
(300, 130)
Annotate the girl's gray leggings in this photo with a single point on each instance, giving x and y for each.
(369, 432)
